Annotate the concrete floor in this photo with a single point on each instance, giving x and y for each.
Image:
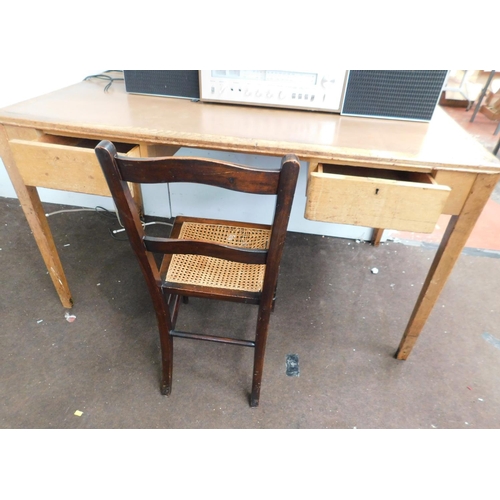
(342, 321)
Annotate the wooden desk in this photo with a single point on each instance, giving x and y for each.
(40, 147)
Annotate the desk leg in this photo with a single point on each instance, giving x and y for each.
(35, 215)
(454, 240)
(377, 236)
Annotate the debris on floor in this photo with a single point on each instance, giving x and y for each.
(292, 365)
(69, 317)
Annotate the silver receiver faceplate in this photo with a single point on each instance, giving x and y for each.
(312, 90)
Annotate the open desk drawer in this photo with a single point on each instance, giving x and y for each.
(406, 201)
(65, 163)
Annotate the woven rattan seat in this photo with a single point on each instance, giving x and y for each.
(212, 259)
(219, 273)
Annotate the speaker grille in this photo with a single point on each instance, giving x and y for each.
(411, 95)
(171, 83)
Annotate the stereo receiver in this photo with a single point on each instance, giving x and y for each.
(312, 90)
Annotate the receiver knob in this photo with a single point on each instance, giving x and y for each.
(328, 81)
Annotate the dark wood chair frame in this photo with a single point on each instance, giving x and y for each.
(119, 170)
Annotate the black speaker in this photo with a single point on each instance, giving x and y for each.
(167, 83)
(403, 95)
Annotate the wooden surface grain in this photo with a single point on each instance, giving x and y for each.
(84, 109)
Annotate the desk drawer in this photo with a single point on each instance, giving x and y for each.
(406, 201)
(65, 163)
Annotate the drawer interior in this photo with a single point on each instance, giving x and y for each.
(76, 142)
(375, 173)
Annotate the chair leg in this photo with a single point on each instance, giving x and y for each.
(166, 342)
(167, 351)
(260, 350)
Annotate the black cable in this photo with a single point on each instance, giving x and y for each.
(108, 214)
(105, 212)
(105, 76)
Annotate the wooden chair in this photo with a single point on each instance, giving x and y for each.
(202, 257)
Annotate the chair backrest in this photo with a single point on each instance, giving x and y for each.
(119, 170)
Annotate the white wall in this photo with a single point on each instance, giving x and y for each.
(183, 201)
(22, 84)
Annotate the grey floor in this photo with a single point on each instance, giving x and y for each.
(343, 322)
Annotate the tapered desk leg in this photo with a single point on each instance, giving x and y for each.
(454, 240)
(377, 236)
(35, 215)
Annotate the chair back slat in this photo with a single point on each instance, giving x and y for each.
(198, 170)
(175, 246)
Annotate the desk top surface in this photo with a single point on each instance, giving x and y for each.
(84, 109)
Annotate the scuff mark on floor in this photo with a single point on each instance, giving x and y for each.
(491, 340)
